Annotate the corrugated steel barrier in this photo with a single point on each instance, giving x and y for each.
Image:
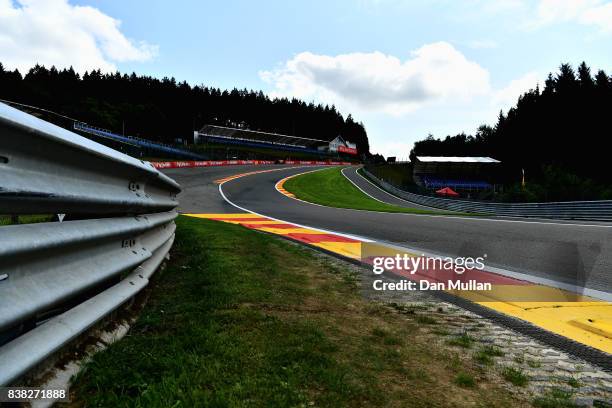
(578, 210)
(57, 279)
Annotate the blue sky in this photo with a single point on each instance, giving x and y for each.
(404, 68)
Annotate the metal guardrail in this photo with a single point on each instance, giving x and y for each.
(154, 146)
(578, 210)
(57, 279)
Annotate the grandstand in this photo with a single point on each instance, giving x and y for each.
(275, 140)
(151, 148)
(462, 174)
(211, 135)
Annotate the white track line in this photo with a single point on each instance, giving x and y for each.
(442, 215)
(336, 208)
(358, 238)
(328, 206)
(594, 293)
(299, 199)
(476, 218)
(393, 195)
(360, 189)
(500, 271)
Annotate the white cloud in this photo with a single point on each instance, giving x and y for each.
(54, 32)
(596, 13)
(600, 16)
(483, 44)
(379, 82)
(555, 11)
(398, 149)
(506, 97)
(499, 6)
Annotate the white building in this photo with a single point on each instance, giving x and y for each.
(338, 141)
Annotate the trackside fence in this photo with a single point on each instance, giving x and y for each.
(215, 163)
(147, 144)
(578, 210)
(57, 279)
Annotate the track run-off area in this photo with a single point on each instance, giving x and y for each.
(553, 274)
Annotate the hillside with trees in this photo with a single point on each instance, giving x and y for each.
(164, 110)
(560, 135)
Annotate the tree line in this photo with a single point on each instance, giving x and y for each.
(558, 135)
(164, 109)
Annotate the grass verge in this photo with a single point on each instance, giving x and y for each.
(329, 187)
(486, 353)
(241, 318)
(463, 340)
(24, 219)
(555, 399)
(515, 376)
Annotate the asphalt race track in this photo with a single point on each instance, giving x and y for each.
(201, 193)
(376, 193)
(568, 252)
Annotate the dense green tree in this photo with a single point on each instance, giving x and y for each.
(166, 109)
(584, 74)
(602, 82)
(564, 127)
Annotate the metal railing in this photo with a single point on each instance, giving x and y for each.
(148, 144)
(578, 210)
(57, 279)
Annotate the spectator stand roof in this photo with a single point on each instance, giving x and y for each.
(455, 159)
(259, 137)
(457, 172)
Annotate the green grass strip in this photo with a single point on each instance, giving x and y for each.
(329, 187)
(240, 318)
(24, 219)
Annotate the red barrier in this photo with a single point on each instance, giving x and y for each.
(210, 163)
(348, 150)
(315, 163)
